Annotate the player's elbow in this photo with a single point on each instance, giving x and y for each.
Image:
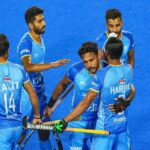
(63, 84)
(29, 68)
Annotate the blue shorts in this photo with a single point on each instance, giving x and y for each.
(81, 141)
(119, 141)
(9, 137)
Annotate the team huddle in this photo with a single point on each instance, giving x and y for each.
(102, 84)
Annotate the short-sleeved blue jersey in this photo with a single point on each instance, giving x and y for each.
(112, 82)
(12, 78)
(128, 43)
(82, 79)
(29, 47)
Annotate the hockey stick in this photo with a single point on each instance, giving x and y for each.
(27, 125)
(22, 144)
(62, 97)
(89, 131)
(55, 134)
(47, 123)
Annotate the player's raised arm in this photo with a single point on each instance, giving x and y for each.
(30, 67)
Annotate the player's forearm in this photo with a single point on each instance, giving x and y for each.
(35, 104)
(77, 111)
(60, 88)
(33, 97)
(81, 107)
(37, 67)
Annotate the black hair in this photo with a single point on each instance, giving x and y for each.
(113, 14)
(88, 47)
(4, 45)
(31, 13)
(114, 47)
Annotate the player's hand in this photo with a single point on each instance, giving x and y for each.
(36, 120)
(120, 106)
(60, 62)
(60, 126)
(47, 111)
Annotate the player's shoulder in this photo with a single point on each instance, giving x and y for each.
(74, 69)
(125, 67)
(101, 40)
(102, 36)
(77, 66)
(102, 72)
(127, 34)
(25, 39)
(128, 67)
(16, 67)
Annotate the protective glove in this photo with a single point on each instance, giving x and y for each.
(60, 126)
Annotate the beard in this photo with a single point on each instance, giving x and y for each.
(39, 31)
(118, 33)
(92, 70)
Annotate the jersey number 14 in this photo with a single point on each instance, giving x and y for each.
(9, 102)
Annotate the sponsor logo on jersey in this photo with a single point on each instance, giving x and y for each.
(75, 148)
(118, 120)
(122, 81)
(6, 78)
(82, 83)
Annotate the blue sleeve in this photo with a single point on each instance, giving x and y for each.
(74, 69)
(96, 84)
(101, 40)
(24, 48)
(130, 37)
(25, 75)
(132, 43)
(98, 80)
(71, 73)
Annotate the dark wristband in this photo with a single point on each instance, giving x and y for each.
(35, 117)
(51, 103)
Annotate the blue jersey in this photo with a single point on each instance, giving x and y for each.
(29, 47)
(113, 82)
(128, 44)
(12, 78)
(82, 79)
